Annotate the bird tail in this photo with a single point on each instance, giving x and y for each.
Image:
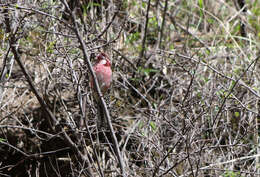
(101, 119)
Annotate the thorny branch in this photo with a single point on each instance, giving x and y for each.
(53, 123)
(86, 58)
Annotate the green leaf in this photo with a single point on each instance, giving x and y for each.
(171, 46)
(141, 125)
(51, 46)
(143, 4)
(96, 4)
(237, 114)
(133, 37)
(206, 80)
(201, 7)
(154, 105)
(147, 71)
(153, 125)
(201, 3)
(84, 10)
(136, 79)
(210, 20)
(232, 84)
(199, 95)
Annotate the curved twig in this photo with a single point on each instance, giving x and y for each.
(86, 58)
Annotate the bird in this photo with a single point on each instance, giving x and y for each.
(102, 69)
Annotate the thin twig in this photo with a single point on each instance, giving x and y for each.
(232, 88)
(86, 58)
(223, 163)
(213, 69)
(163, 22)
(144, 33)
(104, 30)
(38, 12)
(44, 106)
(125, 58)
(26, 128)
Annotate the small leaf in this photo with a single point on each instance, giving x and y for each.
(201, 7)
(141, 124)
(237, 114)
(154, 105)
(2, 139)
(153, 126)
(147, 71)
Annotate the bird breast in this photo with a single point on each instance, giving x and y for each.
(104, 76)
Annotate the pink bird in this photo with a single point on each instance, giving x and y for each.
(103, 72)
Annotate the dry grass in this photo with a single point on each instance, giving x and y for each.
(188, 107)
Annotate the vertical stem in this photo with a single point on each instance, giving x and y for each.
(242, 4)
(257, 137)
(96, 86)
(144, 33)
(163, 22)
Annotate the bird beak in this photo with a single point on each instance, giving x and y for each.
(103, 62)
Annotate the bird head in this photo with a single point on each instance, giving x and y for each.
(103, 59)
